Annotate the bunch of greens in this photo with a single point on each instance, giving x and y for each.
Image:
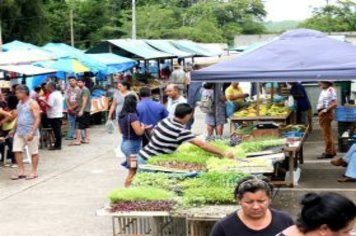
(258, 145)
(139, 194)
(158, 180)
(208, 195)
(214, 179)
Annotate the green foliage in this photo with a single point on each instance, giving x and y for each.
(281, 26)
(338, 17)
(202, 21)
(208, 195)
(214, 179)
(158, 180)
(40, 21)
(139, 194)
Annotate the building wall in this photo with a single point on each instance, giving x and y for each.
(245, 40)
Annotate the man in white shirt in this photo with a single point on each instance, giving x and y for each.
(174, 98)
(55, 113)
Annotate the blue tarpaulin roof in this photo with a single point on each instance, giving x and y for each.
(140, 49)
(15, 45)
(297, 55)
(193, 48)
(64, 50)
(114, 63)
(168, 47)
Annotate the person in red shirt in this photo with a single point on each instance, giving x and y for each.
(43, 105)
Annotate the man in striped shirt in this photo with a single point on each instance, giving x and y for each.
(170, 133)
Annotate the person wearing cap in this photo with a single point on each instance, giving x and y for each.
(325, 107)
(178, 77)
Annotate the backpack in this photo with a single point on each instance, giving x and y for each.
(206, 103)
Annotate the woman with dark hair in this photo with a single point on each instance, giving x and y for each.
(131, 130)
(255, 216)
(123, 88)
(327, 214)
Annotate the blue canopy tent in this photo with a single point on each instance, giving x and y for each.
(114, 63)
(297, 55)
(15, 45)
(63, 50)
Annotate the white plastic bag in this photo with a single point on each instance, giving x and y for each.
(296, 176)
(110, 127)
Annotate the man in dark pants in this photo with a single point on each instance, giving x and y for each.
(55, 113)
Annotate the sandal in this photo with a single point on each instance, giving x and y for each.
(17, 177)
(31, 177)
(84, 141)
(74, 144)
(346, 179)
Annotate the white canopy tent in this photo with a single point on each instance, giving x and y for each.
(28, 70)
(24, 56)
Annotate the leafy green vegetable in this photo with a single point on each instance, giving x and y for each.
(139, 194)
(158, 180)
(208, 195)
(213, 179)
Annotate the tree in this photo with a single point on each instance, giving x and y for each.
(199, 20)
(23, 20)
(339, 17)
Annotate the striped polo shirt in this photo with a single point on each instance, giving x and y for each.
(167, 136)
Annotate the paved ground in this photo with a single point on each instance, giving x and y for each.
(73, 184)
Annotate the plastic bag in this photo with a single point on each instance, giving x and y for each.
(110, 127)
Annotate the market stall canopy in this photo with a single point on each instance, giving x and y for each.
(67, 65)
(15, 45)
(168, 47)
(136, 49)
(297, 55)
(62, 50)
(24, 56)
(193, 48)
(28, 70)
(114, 63)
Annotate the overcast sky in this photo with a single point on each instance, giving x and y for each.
(279, 10)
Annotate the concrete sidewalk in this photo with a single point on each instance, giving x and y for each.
(73, 184)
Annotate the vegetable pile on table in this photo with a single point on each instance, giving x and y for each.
(152, 191)
(187, 157)
(141, 199)
(264, 110)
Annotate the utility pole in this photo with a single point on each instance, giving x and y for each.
(71, 28)
(133, 19)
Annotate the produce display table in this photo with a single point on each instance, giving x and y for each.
(286, 119)
(147, 223)
(295, 153)
(191, 221)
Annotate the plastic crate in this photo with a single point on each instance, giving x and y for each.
(346, 114)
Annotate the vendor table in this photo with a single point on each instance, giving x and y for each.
(286, 119)
(295, 154)
(196, 221)
(147, 223)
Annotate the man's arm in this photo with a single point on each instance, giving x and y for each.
(209, 148)
(84, 104)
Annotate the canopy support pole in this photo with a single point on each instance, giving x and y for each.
(159, 68)
(258, 85)
(272, 91)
